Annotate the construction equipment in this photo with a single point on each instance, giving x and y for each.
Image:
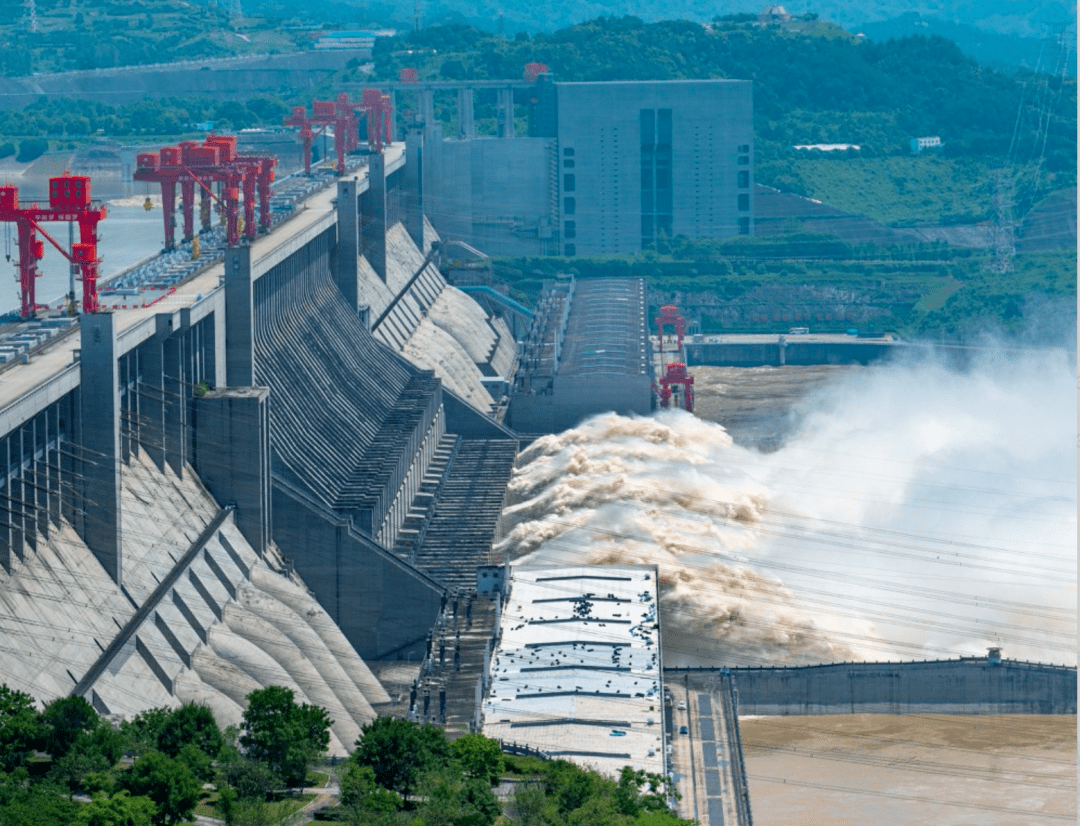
(69, 200)
(213, 165)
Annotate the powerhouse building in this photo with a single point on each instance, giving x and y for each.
(606, 168)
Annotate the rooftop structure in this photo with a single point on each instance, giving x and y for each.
(587, 352)
(919, 144)
(356, 41)
(827, 147)
(577, 673)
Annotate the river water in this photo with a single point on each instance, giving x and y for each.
(900, 770)
(911, 770)
(128, 235)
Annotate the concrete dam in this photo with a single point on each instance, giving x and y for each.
(289, 468)
(260, 479)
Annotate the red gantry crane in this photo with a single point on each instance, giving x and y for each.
(69, 200)
(216, 161)
(676, 375)
(341, 114)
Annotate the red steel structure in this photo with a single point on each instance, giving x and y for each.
(379, 111)
(215, 161)
(336, 113)
(677, 375)
(342, 115)
(534, 70)
(669, 317)
(69, 200)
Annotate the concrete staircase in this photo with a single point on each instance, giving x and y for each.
(459, 534)
(448, 686)
(415, 526)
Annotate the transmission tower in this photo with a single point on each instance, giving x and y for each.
(31, 12)
(1004, 231)
(416, 15)
(1017, 183)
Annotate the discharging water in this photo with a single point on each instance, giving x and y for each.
(905, 511)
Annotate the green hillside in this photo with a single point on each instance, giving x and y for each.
(1025, 18)
(813, 83)
(75, 34)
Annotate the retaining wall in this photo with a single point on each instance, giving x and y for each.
(974, 685)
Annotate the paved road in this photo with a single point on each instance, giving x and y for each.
(701, 759)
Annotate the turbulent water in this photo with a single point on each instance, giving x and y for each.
(908, 511)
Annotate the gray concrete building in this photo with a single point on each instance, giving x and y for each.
(607, 168)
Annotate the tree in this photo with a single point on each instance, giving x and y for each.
(20, 728)
(448, 799)
(362, 797)
(531, 807)
(168, 783)
(64, 719)
(399, 752)
(286, 736)
(141, 733)
(94, 752)
(120, 809)
(251, 780)
(23, 803)
(190, 725)
(198, 761)
(478, 757)
(31, 149)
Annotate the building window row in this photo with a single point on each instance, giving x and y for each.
(657, 184)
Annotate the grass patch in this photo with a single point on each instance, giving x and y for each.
(517, 766)
(276, 810)
(207, 803)
(900, 191)
(937, 292)
(317, 780)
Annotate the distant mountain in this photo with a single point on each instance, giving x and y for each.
(999, 51)
(1025, 18)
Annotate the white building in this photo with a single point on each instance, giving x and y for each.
(353, 41)
(577, 673)
(919, 144)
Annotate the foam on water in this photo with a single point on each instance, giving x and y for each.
(915, 511)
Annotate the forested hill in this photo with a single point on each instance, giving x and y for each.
(1027, 18)
(813, 82)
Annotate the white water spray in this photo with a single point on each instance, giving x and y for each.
(915, 512)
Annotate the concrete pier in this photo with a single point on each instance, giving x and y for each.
(373, 216)
(347, 255)
(99, 447)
